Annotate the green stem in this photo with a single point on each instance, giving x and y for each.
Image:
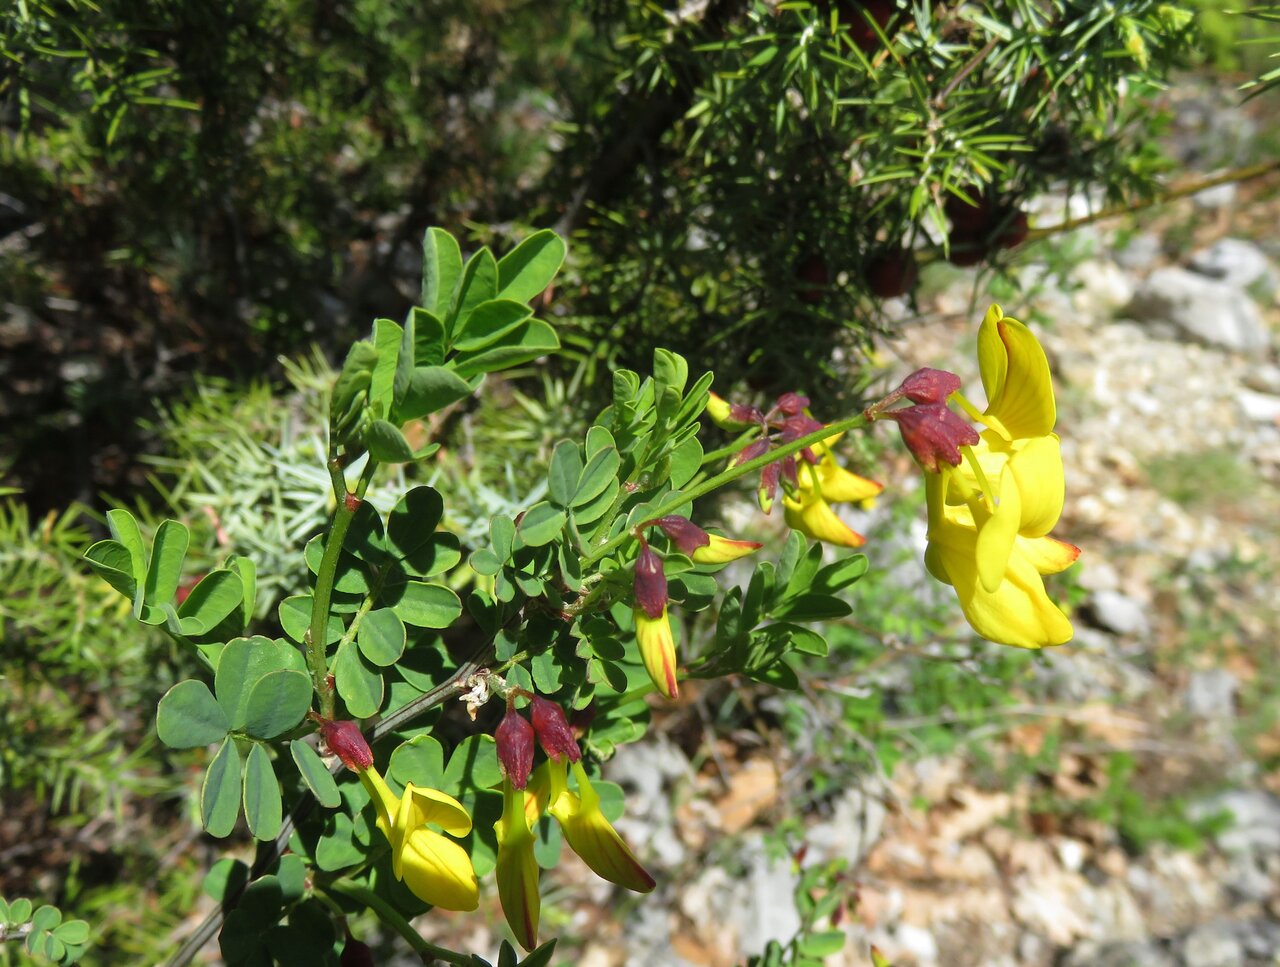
(392, 918)
(732, 448)
(680, 498)
(317, 662)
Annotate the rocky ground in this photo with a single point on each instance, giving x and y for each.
(1163, 337)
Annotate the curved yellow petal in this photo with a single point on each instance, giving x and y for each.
(839, 485)
(721, 550)
(1015, 375)
(386, 802)
(1036, 465)
(812, 516)
(997, 532)
(1046, 554)
(593, 838)
(517, 869)
(657, 650)
(439, 871)
(434, 806)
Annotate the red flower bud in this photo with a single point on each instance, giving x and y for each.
(768, 488)
(684, 533)
(792, 404)
(650, 583)
(932, 432)
(553, 730)
(514, 737)
(750, 452)
(347, 743)
(929, 385)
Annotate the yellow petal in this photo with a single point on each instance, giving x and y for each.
(997, 532)
(1015, 375)
(1037, 467)
(721, 550)
(1018, 612)
(839, 485)
(593, 838)
(811, 515)
(439, 871)
(517, 869)
(433, 806)
(1048, 555)
(657, 650)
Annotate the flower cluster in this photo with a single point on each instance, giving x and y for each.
(992, 497)
(653, 625)
(527, 794)
(434, 867)
(810, 484)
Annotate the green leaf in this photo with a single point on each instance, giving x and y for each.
(216, 597)
(73, 932)
(351, 389)
(112, 562)
(502, 532)
(484, 561)
(46, 917)
(441, 267)
(164, 572)
(686, 460)
(366, 536)
(359, 685)
(670, 369)
(479, 283)
(248, 573)
(386, 443)
(276, 703)
(545, 669)
(411, 532)
(387, 337)
(227, 876)
(488, 323)
(188, 716)
(540, 957)
(428, 337)
(530, 340)
(813, 607)
(295, 619)
(262, 807)
(423, 605)
(528, 269)
(338, 847)
(822, 944)
(431, 389)
(420, 761)
(840, 574)
(381, 637)
(474, 763)
(540, 524)
(20, 911)
(125, 530)
(315, 774)
(220, 791)
(593, 510)
(242, 664)
(595, 476)
(562, 476)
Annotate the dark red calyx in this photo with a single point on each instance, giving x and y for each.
(929, 385)
(750, 452)
(554, 733)
(345, 740)
(684, 533)
(514, 739)
(933, 433)
(650, 582)
(792, 404)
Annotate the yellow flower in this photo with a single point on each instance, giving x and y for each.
(997, 581)
(989, 516)
(808, 509)
(517, 869)
(588, 832)
(435, 868)
(658, 650)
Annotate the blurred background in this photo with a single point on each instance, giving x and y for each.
(202, 205)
